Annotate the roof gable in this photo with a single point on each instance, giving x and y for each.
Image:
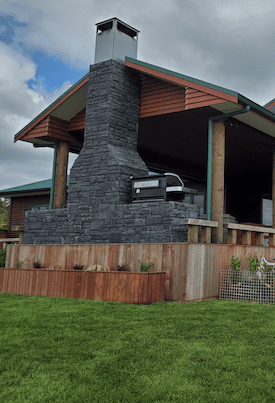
(181, 80)
(65, 107)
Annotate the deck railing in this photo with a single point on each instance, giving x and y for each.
(247, 231)
(196, 227)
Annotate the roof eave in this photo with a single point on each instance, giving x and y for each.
(22, 193)
(51, 107)
(254, 107)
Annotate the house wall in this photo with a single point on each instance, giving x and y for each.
(18, 208)
(98, 208)
(3, 234)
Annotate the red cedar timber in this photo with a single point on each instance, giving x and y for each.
(218, 179)
(60, 188)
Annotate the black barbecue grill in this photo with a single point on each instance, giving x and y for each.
(165, 187)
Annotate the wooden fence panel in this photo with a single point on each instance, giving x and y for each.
(120, 284)
(113, 256)
(193, 270)
(78, 280)
(1, 280)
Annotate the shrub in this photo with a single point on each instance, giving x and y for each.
(55, 267)
(2, 257)
(78, 267)
(145, 266)
(98, 267)
(38, 265)
(122, 267)
(235, 263)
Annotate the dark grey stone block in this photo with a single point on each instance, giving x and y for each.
(99, 188)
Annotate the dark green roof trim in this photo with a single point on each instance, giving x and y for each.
(52, 104)
(41, 185)
(269, 103)
(31, 186)
(182, 76)
(257, 108)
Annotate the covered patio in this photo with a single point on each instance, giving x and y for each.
(218, 141)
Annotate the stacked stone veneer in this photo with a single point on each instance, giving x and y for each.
(98, 208)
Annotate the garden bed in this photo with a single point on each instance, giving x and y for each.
(247, 286)
(131, 287)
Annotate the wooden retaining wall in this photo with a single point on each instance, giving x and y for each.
(137, 288)
(192, 270)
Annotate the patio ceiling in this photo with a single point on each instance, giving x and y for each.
(178, 141)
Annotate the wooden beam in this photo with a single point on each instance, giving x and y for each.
(60, 188)
(218, 159)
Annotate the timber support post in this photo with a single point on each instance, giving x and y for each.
(60, 187)
(218, 164)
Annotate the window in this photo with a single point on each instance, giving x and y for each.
(267, 211)
(39, 207)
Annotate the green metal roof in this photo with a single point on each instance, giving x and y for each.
(41, 185)
(52, 104)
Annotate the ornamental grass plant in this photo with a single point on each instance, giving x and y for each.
(72, 350)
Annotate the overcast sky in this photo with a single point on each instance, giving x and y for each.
(47, 46)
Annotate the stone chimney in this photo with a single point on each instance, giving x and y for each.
(100, 176)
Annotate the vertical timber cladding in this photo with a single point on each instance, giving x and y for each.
(139, 288)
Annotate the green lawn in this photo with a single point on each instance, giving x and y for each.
(66, 350)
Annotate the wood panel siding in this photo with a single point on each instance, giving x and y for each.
(159, 97)
(3, 234)
(53, 129)
(198, 99)
(136, 288)
(18, 207)
(78, 122)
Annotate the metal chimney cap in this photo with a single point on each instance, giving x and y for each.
(122, 26)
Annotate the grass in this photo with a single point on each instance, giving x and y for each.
(78, 351)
